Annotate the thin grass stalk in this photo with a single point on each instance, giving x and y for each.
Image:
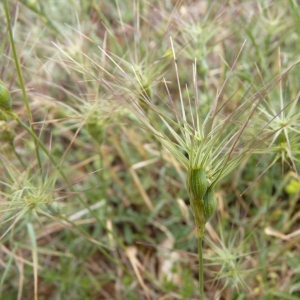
(16, 60)
(201, 276)
(20, 76)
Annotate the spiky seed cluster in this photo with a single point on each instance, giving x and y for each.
(202, 198)
(95, 127)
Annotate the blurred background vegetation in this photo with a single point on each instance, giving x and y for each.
(120, 226)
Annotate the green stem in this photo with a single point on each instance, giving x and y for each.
(20, 75)
(201, 279)
(16, 60)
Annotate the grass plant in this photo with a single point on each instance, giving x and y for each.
(124, 124)
(208, 149)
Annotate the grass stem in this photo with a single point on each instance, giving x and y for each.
(201, 280)
(20, 75)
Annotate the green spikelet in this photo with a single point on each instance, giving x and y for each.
(210, 203)
(5, 99)
(197, 183)
(6, 103)
(33, 4)
(7, 134)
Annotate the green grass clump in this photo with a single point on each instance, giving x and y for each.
(109, 111)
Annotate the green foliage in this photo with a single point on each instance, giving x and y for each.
(5, 98)
(105, 119)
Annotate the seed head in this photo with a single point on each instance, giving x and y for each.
(95, 128)
(210, 203)
(7, 134)
(197, 183)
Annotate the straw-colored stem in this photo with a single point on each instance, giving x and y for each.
(201, 279)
